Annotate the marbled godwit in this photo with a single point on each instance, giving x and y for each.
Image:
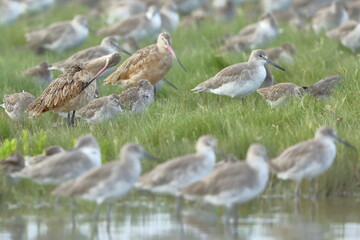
(40, 73)
(169, 17)
(151, 63)
(137, 99)
(341, 31)
(285, 53)
(101, 109)
(137, 27)
(329, 17)
(277, 94)
(233, 184)
(15, 104)
(108, 46)
(108, 182)
(308, 159)
(254, 35)
(66, 165)
(12, 164)
(74, 88)
(59, 36)
(119, 11)
(324, 87)
(181, 171)
(10, 11)
(241, 79)
(49, 151)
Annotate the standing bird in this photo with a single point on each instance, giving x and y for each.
(137, 27)
(121, 10)
(176, 173)
(239, 80)
(308, 159)
(278, 94)
(341, 31)
(108, 182)
(137, 99)
(59, 36)
(234, 183)
(151, 63)
(15, 104)
(285, 53)
(40, 73)
(108, 46)
(169, 17)
(330, 17)
(65, 165)
(74, 88)
(101, 109)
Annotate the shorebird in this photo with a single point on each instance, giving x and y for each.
(137, 99)
(108, 46)
(253, 35)
(74, 88)
(187, 6)
(275, 5)
(228, 159)
(12, 164)
(233, 184)
(277, 94)
(59, 36)
(324, 87)
(151, 63)
(269, 79)
(308, 159)
(108, 182)
(119, 11)
(15, 104)
(65, 165)
(225, 10)
(352, 39)
(239, 80)
(40, 73)
(341, 31)
(329, 17)
(285, 53)
(101, 109)
(49, 151)
(10, 11)
(169, 17)
(137, 27)
(176, 173)
(353, 8)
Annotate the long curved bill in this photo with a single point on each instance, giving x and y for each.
(96, 76)
(174, 55)
(274, 64)
(346, 143)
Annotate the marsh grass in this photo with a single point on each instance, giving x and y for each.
(177, 118)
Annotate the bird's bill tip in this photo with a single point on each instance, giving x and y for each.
(171, 50)
(150, 156)
(346, 143)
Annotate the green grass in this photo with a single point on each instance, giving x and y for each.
(177, 118)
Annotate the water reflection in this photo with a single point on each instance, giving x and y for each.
(139, 218)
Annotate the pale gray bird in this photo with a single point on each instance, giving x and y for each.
(59, 36)
(49, 151)
(278, 94)
(169, 17)
(284, 53)
(233, 184)
(10, 11)
(342, 30)
(137, 99)
(308, 159)
(101, 109)
(15, 104)
(66, 165)
(241, 79)
(108, 182)
(40, 73)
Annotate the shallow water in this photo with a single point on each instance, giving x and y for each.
(151, 217)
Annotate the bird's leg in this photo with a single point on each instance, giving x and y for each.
(236, 215)
(312, 191)
(96, 212)
(108, 215)
(242, 100)
(68, 119)
(178, 207)
(73, 119)
(296, 193)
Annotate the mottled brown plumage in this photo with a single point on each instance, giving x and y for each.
(324, 87)
(16, 103)
(40, 73)
(137, 99)
(151, 63)
(285, 53)
(74, 88)
(278, 93)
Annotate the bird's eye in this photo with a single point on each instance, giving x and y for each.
(261, 55)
